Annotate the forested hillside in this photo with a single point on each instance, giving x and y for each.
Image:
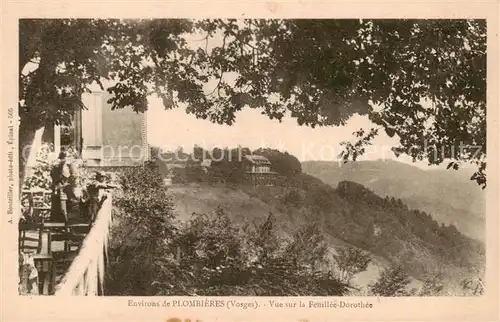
(302, 228)
(449, 196)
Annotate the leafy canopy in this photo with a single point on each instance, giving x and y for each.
(422, 80)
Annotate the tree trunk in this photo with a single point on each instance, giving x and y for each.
(30, 32)
(27, 133)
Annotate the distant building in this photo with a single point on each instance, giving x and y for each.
(167, 182)
(175, 160)
(176, 165)
(258, 170)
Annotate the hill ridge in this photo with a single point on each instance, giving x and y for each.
(354, 206)
(447, 195)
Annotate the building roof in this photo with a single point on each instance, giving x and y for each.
(257, 159)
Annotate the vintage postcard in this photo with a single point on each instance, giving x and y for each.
(250, 161)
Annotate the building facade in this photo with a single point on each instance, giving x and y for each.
(102, 136)
(109, 137)
(258, 171)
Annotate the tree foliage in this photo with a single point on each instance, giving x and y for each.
(214, 253)
(355, 214)
(472, 286)
(292, 197)
(351, 261)
(282, 162)
(40, 177)
(433, 286)
(422, 80)
(144, 223)
(152, 254)
(393, 281)
(309, 248)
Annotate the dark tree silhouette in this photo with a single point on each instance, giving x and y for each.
(322, 71)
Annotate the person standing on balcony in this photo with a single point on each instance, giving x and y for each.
(74, 190)
(67, 191)
(60, 175)
(95, 199)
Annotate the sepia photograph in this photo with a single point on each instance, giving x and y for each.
(252, 157)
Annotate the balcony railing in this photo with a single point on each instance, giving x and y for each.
(52, 246)
(85, 275)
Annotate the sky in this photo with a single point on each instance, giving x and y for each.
(170, 129)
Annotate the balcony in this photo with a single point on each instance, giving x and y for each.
(63, 258)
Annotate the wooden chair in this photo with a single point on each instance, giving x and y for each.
(70, 238)
(71, 235)
(30, 237)
(39, 202)
(78, 232)
(54, 244)
(41, 198)
(32, 240)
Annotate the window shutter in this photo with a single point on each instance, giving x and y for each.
(92, 127)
